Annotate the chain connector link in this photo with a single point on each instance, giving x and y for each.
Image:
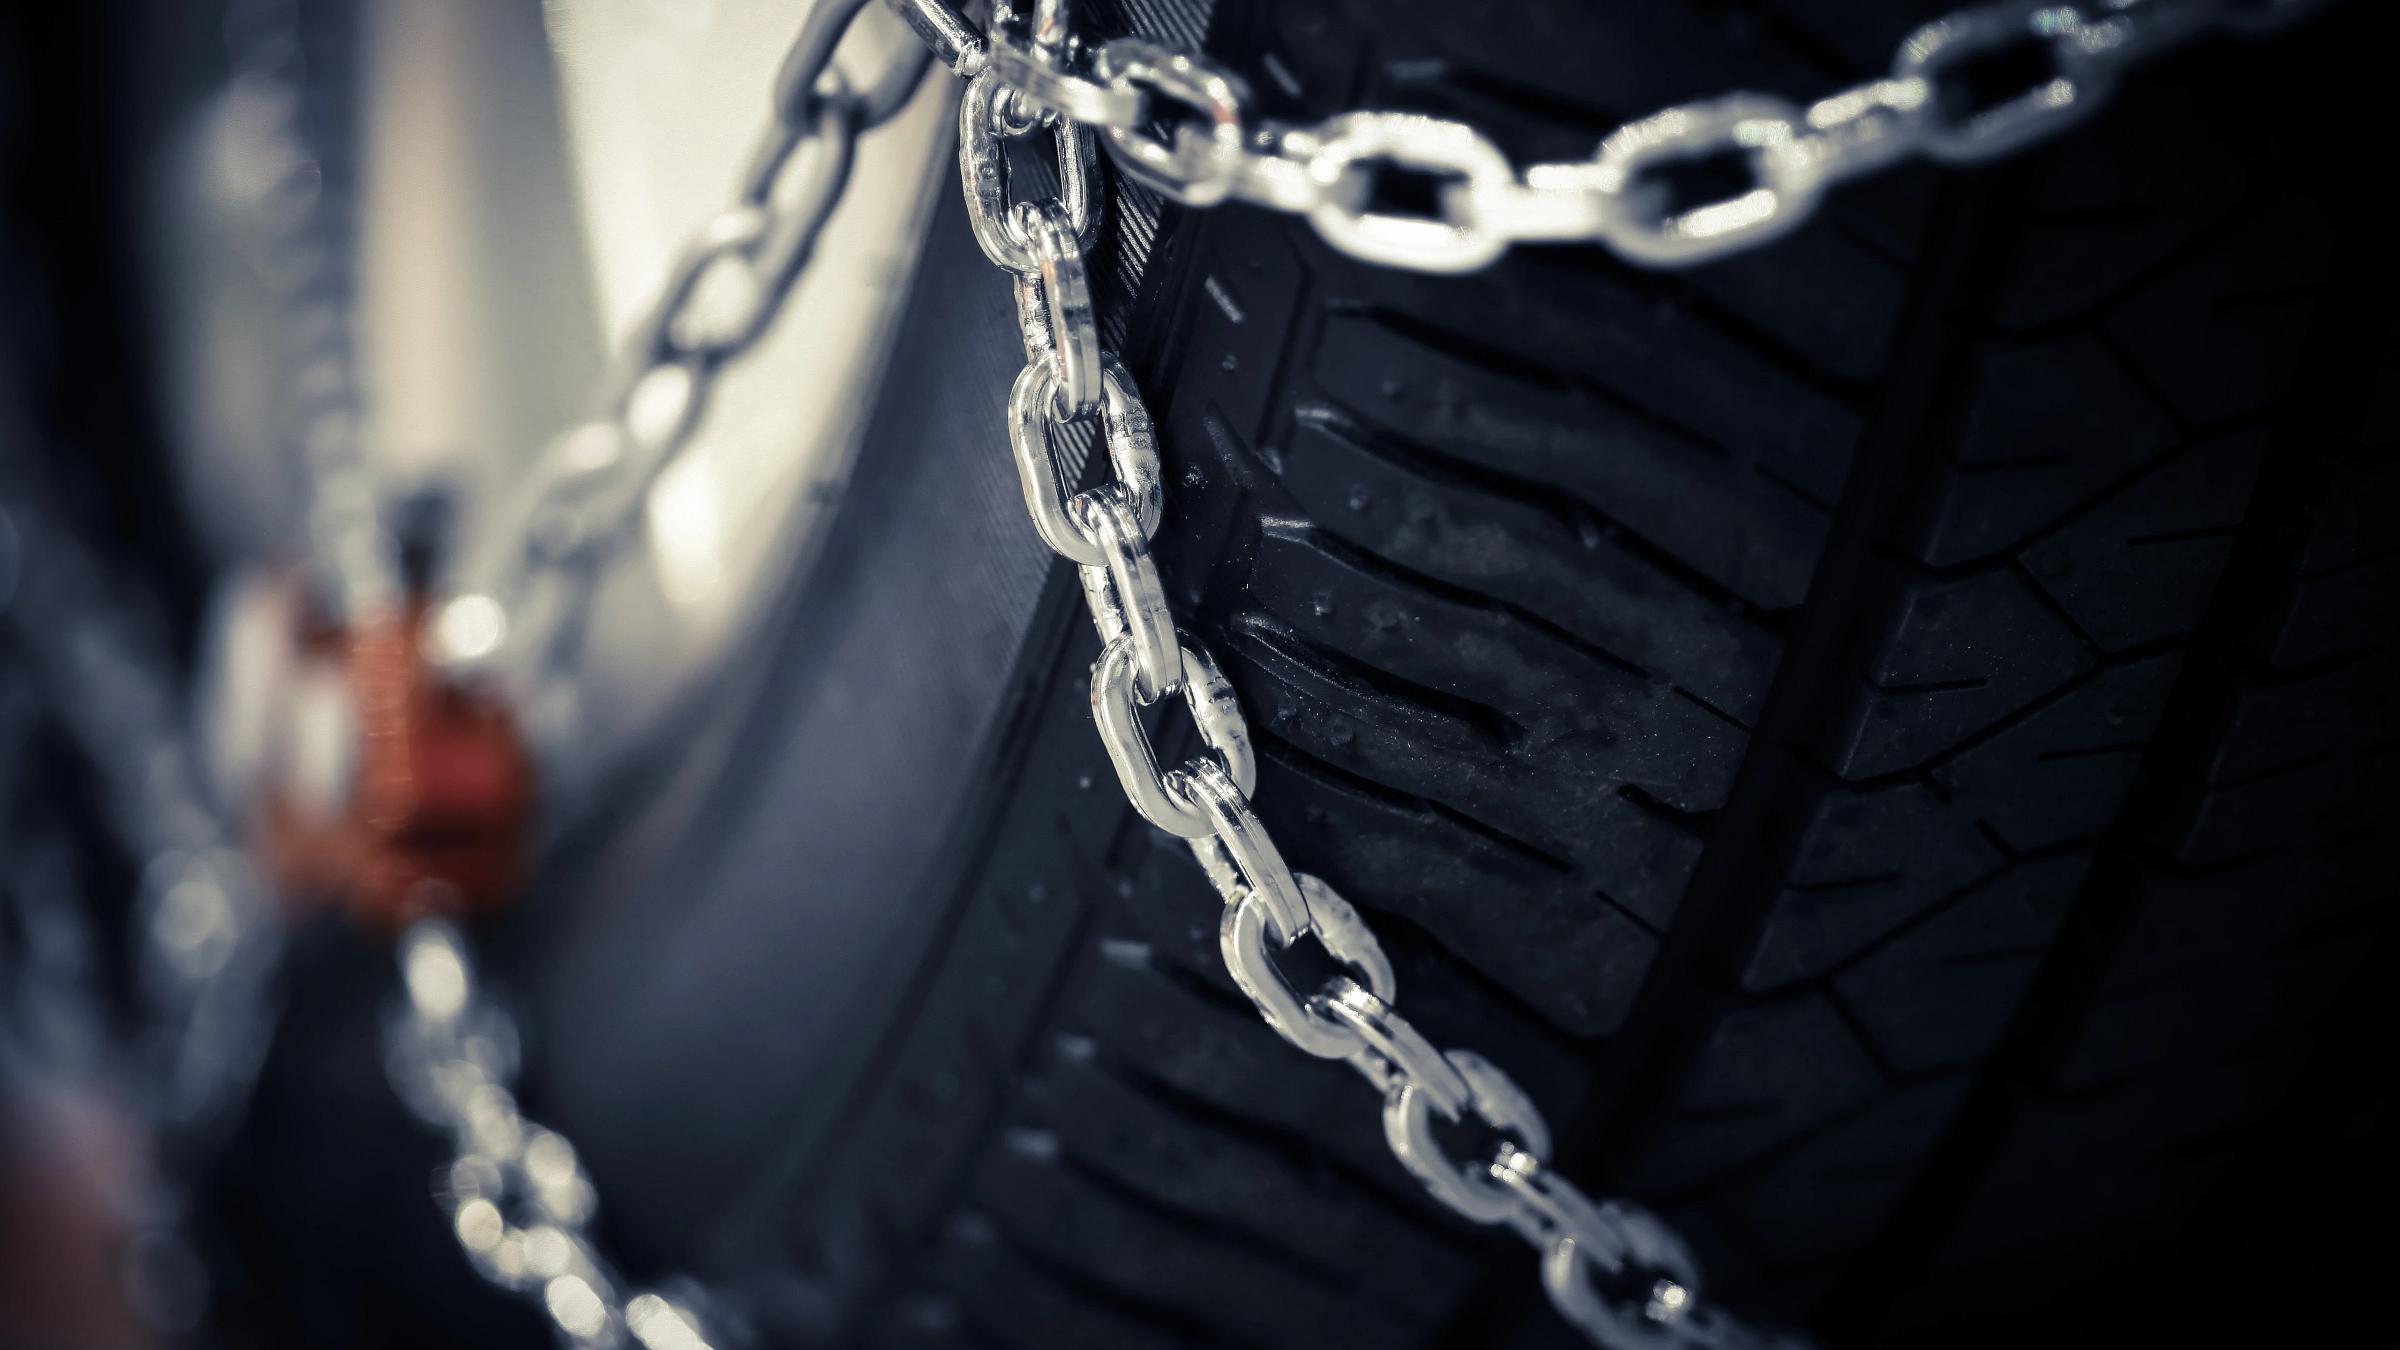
(1466, 1084)
(946, 32)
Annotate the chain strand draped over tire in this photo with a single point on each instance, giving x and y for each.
(1616, 1272)
(1618, 197)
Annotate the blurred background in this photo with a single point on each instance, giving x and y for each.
(247, 241)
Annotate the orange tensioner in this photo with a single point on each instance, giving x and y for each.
(422, 795)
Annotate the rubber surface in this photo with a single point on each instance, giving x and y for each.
(1882, 737)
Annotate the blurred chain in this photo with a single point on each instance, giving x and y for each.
(1621, 196)
(315, 370)
(517, 619)
(209, 940)
(519, 1200)
(1612, 1269)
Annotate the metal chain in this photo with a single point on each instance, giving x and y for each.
(1620, 196)
(516, 620)
(519, 1201)
(211, 948)
(1612, 1269)
(207, 944)
(350, 553)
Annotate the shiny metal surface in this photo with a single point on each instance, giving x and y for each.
(1116, 709)
(983, 168)
(1324, 170)
(1243, 936)
(1062, 294)
(1193, 169)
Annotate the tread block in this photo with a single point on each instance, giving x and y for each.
(1961, 656)
(2138, 568)
(1394, 855)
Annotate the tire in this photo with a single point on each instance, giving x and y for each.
(1881, 737)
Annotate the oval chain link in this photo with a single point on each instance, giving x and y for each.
(1105, 531)
(519, 1201)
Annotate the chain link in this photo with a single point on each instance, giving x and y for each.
(519, 1201)
(515, 617)
(1621, 196)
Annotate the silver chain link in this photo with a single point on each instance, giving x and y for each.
(1612, 1269)
(519, 1200)
(515, 619)
(1618, 197)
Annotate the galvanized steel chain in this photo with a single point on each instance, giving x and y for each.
(1619, 196)
(1614, 1270)
(720, 295)
(519, 1199)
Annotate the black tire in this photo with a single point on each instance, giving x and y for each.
(1882, 737)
